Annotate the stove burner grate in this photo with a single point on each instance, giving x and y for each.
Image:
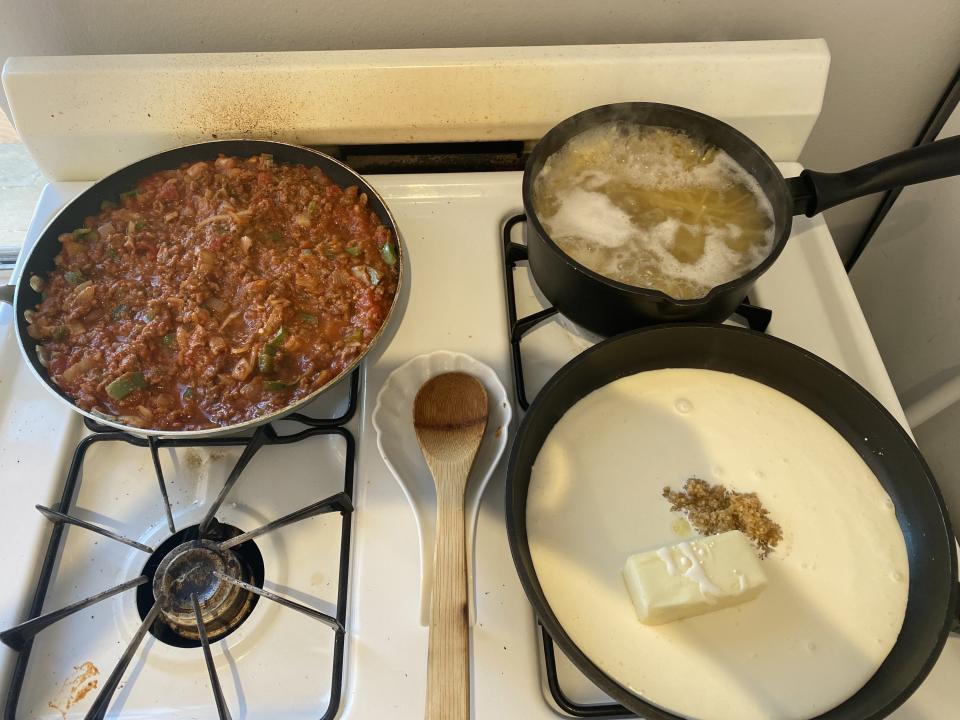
(204, 580)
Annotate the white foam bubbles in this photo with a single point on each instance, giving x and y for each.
(585, 214)
(635, 204)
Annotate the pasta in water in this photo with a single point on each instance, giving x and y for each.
(653, 207)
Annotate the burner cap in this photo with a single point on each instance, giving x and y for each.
(189, 569)
(184, 566)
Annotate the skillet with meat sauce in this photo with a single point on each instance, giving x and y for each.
(272, 280)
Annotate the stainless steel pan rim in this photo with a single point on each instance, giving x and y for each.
(238, 428)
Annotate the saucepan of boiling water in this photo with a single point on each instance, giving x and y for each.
(642, 213)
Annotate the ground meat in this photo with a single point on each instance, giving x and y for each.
(214, 293)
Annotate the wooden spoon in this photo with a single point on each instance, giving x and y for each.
(449, 415)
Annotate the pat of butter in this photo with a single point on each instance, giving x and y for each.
(694, 577)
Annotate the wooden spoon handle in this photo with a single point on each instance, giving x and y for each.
(448, 656)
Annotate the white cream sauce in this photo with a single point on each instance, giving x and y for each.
(838, 580)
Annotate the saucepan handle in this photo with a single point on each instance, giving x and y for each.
(814, 192)
(6, 293)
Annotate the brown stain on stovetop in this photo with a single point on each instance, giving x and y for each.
(234, 110)
(76, 688)
(194, 459)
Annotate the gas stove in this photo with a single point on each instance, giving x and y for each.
(356, 566)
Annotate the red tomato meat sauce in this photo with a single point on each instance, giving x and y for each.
(213, 294)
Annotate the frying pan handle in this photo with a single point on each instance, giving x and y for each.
(813, 192)
(6, 293)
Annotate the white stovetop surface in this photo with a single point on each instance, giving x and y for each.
(451, 225)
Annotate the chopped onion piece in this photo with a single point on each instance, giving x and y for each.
(214, 218)
(80, 368)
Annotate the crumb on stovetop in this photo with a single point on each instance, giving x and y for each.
(713, 509)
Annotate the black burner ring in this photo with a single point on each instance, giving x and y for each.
(184, 565)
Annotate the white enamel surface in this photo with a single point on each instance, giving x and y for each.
(454, 300)
(393, 420)
(157, 102)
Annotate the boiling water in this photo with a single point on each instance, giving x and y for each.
(652, 207)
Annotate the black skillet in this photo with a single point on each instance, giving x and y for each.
(607, 307)
(845, 405)
(40, 261)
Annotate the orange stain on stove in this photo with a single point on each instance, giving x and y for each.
(76, 688)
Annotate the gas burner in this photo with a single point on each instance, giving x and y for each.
(184, 566)
(188, 572)
(204, 580)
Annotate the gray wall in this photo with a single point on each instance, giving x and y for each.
(891, 60)
(906, 282)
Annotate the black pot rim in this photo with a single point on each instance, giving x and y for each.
(780, 239)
